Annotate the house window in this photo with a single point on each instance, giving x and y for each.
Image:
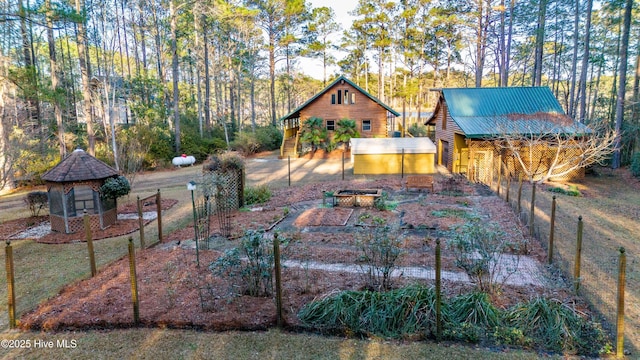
(346, 97)
(333, 99)
(366, 125)
(353, 98)
(331, 125)
(339, 97)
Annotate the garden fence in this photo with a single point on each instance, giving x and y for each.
(600, 254)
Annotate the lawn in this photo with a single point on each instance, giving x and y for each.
(232, 345)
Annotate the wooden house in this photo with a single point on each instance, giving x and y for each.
(342, 99)
(468, 123)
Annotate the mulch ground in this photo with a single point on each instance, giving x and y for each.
(324, 217)
(121, 227)
(175, 292)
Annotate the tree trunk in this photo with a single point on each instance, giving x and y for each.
(480, 44)
(207, 82)
(574, 58)
(85, 69)
(30, 69)
(502, 47)
(175, 74)
(537, 65)
(509, 37)
(635, 110)
(594, 98)
(585, 65)
(54, 79)
(6, 172)
(158, 44)
(126, 41)
(272, 73)
(253, 103)
(616, 161)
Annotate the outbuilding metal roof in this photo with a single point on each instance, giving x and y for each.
(79, 166)
(418, 145)
(490, 112)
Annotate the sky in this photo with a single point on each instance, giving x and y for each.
(341, 8)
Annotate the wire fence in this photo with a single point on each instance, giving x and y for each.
(605, 230)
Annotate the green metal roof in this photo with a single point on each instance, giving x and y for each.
(296, 113)
(489, 112)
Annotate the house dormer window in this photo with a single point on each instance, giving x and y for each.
(339, 97)
(346, 97)
(333, 99)
(353, 98)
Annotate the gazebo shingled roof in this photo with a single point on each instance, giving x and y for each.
(79, 166)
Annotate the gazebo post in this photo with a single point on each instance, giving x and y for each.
(65, 211)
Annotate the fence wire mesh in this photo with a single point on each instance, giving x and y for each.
(605, 230)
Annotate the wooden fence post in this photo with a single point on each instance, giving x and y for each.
(552, 227)
(278, 275)
(622, 270)
(519, 194)
(508, 188)
(87, 231)
(576, 269)
(141, 223)
(343, 165)
(532, 215)
(289, 168)
(134, 282)
(11, 303)
(438, 292)
(499, 174)
(159, 212)
(402, 165)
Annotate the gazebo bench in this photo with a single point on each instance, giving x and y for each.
(419, 182)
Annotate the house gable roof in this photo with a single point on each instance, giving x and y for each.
(296, 113)
(79, 166)
(490, 112)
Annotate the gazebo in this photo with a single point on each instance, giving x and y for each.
(73, 187)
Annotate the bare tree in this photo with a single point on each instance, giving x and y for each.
(555, 148)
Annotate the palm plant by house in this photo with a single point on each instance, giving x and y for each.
(313, 132)
(345, 131)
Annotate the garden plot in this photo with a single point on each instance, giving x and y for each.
(320, 259)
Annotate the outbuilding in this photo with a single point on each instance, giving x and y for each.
(470, 123)
(393, 155)
(73, 186)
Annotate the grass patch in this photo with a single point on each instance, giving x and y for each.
(572, 190)
(457, 213)
(272, 344)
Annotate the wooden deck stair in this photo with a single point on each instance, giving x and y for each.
(288, 149)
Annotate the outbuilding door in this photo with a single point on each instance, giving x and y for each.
(482, 166)
(444, 160)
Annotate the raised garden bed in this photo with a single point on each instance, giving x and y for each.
(364, 197)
